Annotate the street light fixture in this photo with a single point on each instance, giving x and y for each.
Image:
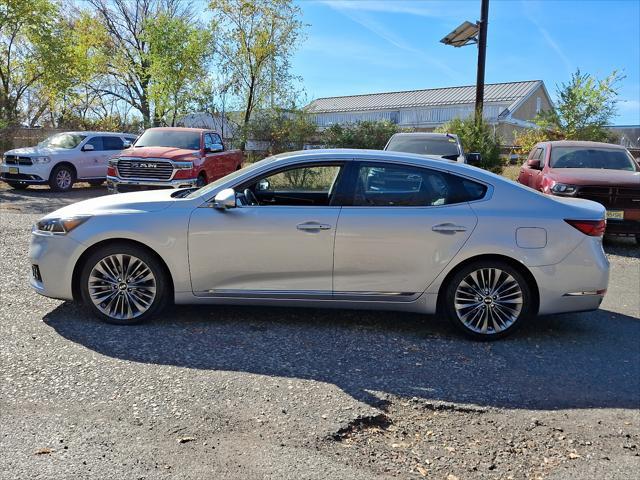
(469, 34)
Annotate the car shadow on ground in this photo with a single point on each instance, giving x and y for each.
(41, 199)
(589, 360)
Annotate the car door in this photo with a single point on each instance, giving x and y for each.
(214, 158)
(537, 175)
(526, 171)
(89, 158)
(111, 145)
(399, 227)
(274, 249)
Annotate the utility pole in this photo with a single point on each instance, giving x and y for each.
(483, 24)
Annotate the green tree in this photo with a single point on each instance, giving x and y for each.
(367, 134)
(477, 137)
(120, 39)
(584, 107)
(179, 54)
(36, 54)
(254, 42)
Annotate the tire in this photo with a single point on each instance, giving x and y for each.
(638, 239)
(201, 181)
(62, 178)
(111, 297)
(479, 312)
(17, 185)
(95, 183)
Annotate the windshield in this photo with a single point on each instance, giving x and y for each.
(204, 190)
(440, 146)
(63, 140)
(169, 138)
(581, 157)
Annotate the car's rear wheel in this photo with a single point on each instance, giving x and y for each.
(124, 284)
(488, 299)
(18, 185)
(62, 178)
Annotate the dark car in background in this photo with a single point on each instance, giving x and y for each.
(601, 172)
(445, 146)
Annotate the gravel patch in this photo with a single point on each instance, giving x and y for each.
(298, 393)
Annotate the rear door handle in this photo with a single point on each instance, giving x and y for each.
(313, 226)
(448, 228)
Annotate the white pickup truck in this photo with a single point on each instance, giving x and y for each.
(63, 159)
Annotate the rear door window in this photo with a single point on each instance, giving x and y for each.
(97, 144)
(112, 143)
(378, 184)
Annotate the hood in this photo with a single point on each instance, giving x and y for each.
(595, 176)
(135, 202)
(37, 151)
(170, 153)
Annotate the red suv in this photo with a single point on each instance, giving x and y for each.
(601, 172)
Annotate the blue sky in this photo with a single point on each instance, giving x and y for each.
(365, 46)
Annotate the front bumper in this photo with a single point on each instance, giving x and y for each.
(119, 185)
(55, 257)
(27, 174)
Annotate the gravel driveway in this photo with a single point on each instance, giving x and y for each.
(249, 393)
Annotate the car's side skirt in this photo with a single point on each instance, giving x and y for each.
(312, 295)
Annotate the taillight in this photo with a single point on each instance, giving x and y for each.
(593, 228)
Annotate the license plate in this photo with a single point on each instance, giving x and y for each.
(615, 214)
(14, 170)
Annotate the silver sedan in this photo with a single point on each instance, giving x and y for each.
(331, 228)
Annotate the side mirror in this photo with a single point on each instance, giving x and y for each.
(473, 159)
(225, 199)
(216, 147)
(87, 147)
(534, 163)
(263, 185)
(126, 144)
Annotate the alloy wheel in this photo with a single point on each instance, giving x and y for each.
(122, 286)
(488, 301)
(63, 179)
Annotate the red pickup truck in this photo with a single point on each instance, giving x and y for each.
(172, 158)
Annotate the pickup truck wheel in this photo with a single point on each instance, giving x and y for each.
(62, 178)
(201, 180)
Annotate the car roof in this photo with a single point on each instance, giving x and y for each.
(183, 129)
(584, 143)
(92, 132)
(425, 134)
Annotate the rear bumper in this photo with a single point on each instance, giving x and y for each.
(578, 283)
(120, 185)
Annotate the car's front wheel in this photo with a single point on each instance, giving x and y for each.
(488, 299)
(124, 284)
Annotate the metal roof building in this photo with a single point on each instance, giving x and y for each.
(508, 106)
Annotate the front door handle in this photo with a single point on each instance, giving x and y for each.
(448, 228)
(313, 226)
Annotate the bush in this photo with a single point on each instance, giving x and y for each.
(477, 137)
(370, 135)
(285, 130)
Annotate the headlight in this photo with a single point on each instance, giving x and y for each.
(40, 160)
(61, 225)
(563, 189)
(183, 165)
